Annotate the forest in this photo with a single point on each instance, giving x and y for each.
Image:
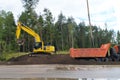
(63, 33)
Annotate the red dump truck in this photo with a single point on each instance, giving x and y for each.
(104, 53)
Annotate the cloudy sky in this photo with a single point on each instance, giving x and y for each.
(101, 11)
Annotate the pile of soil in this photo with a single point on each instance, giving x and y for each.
(43, 59)
(54, 59)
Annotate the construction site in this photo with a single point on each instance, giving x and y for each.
(59, 40)
(40, 38)
(80, 56)
(83, 56)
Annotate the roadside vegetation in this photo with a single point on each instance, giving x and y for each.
(62, 52)
(7, 56)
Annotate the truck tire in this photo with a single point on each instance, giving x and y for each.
(113, 54)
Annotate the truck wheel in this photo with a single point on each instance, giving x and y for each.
(106, 59)
(98, 59)
(113, 54)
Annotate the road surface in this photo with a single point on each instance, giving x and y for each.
(59, 71)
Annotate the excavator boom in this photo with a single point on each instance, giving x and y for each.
(28, 30)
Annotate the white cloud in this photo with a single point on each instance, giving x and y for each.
(116, 5)
(104, 11)
(12, 5)
(67, 7)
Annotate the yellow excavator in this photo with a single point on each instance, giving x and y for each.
(39, 46)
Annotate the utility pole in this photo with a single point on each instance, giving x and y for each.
(91, 35)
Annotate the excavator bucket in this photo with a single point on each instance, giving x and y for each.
(90, 52)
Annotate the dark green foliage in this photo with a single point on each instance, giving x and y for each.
(48, 27)
(118, 37)
(60, 26)
(30, 4)
(7, 32)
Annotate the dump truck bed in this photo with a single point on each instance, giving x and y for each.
(90, 52)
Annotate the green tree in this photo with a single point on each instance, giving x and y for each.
(71, 27)
(40, 25)
(7, 31)
(48, 27)
(118, 37)
(60, 32)
(80, 35)
(10, 30)
(29, 18)
(29, 4)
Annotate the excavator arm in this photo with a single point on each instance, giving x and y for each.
(28, 30)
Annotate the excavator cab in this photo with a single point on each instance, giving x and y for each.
(38, 45)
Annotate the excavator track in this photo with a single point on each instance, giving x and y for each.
(38, 54)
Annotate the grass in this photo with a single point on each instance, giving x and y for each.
(62, 52)
(7, 56)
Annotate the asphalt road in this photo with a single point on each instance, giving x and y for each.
(59, 71)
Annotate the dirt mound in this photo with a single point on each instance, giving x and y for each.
(43, 59)
(54, 59)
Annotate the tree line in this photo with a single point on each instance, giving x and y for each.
(63, 34)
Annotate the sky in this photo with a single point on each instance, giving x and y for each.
(103, 13)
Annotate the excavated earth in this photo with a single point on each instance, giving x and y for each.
(54, 59)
